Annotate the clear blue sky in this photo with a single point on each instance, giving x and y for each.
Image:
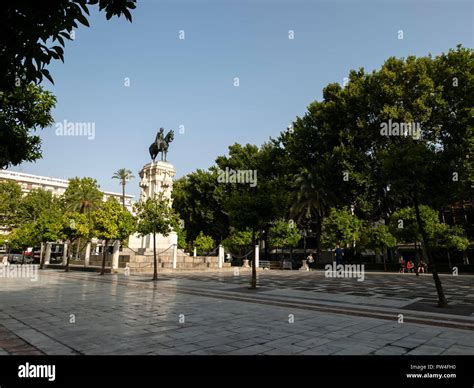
(190, 82)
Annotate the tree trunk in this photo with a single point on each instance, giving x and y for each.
(398, 257)
(68, 256)
(155, 263)
(78, 247)
(304, 246)
(442, 301)
(253, 284)
(417, 260)
(42, 255)
(123, 195)
(384, 261)
(104, 256)
(319, 226)
(266, 245)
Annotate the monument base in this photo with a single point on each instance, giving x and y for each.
(156, 179)
(145, 243)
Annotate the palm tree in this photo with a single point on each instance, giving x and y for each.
(124, 175)
(82, 195)
(311, 201)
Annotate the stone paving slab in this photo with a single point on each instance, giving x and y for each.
(118, 315)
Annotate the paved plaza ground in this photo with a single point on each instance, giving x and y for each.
(206, 313)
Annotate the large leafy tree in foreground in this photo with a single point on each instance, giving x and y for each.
(376, 172)
(253, 204)
(32, 34)
(23, 110)
(435, 167)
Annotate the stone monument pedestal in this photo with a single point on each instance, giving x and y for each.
(156, 179)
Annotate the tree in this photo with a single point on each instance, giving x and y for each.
(82, 195)
(404, 226)
(31, 35)
(181, 232)
(48, 226)
(451, 239)
(340, 227)
(447, 238)
(23, 110)
(33, 204)
(255, 203)
(284, 234)
(238, 241)
(203, 244)
(4, 239)
(311, 201)
(22, 237)
(383, 169)
(37, 216)
(74, 226)
(124, 176)
(10, 198)
(111, 222)
(155, 216)
(378, 238)
(199, 199)
(433, 168)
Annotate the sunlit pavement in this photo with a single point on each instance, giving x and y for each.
(292, 312)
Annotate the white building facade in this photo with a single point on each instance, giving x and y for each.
(57, 187)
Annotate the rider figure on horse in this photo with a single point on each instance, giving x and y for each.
(161, 144)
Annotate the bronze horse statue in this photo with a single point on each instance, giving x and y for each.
(161, 144)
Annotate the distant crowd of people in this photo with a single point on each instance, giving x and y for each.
(338, 255)
(409, 266)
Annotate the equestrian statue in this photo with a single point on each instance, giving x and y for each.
(161, 144)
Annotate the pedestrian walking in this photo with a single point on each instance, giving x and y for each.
(310, 261)
(339, 255)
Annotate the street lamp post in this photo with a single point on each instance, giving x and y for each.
(8, 250)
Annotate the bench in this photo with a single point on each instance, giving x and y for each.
(287, 264)
(265, 264)
(270, 264)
